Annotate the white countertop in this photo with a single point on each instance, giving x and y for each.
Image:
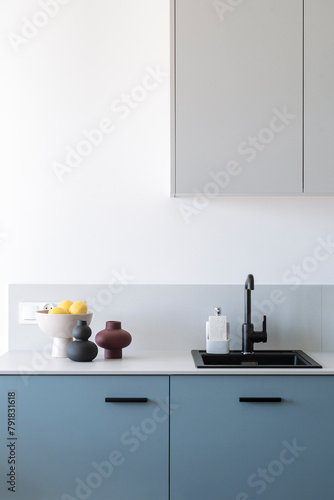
(142, 363)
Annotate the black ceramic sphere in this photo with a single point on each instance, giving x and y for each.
(81, 349)
(81, 331)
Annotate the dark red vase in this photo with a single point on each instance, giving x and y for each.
(113, 339)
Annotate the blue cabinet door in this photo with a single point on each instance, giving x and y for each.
(226, 449)
(61, 440)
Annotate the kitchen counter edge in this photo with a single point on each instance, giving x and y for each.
(142, 363)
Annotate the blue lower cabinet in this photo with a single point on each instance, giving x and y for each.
(84, 437)
(252, 437)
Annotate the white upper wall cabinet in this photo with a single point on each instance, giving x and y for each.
(237, 96)
(319, 96)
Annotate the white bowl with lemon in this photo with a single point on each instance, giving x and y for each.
(60, 321)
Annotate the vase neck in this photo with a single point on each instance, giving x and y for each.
(113, 325)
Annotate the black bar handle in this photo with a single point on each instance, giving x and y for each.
(126, 400)
(260, 400)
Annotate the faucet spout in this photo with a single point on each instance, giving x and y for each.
(249, 336)
(249, 285)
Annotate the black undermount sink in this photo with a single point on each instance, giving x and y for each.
(259, 359)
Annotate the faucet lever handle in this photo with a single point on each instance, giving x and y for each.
(264, 328)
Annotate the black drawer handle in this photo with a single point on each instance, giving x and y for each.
(260, 400)
(126, 400)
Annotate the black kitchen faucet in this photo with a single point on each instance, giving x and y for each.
(249, 337)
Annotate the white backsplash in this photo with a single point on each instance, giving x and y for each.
(172, 317)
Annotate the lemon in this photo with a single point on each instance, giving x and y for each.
(78, 307)
(57, 310)
(66, 304)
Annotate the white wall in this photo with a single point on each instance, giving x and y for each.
(113, 211)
